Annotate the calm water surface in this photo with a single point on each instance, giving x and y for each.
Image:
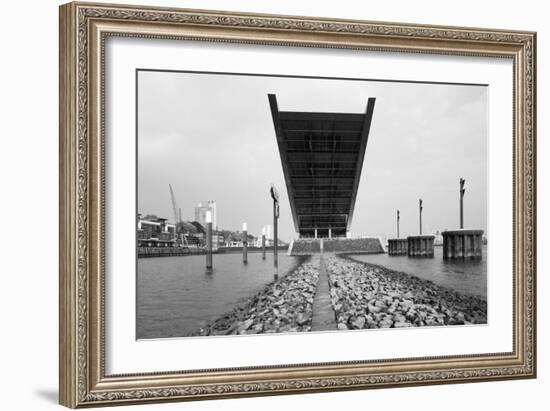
(469, 277)
(175, 295)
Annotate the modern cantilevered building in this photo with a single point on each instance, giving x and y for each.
(322, 157)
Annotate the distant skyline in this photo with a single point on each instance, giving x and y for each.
(211, 137)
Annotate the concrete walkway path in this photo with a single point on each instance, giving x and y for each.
(323, 313)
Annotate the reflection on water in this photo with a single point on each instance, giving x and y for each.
(175, 295)
(467, 276)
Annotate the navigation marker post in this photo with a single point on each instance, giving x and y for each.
(245, 244)
(275, 197)
(397, 246)
(420, 245)
(462, 190)
(462, 244)
(263, 243)
(398, 223)
(208, 241)
(420, 213)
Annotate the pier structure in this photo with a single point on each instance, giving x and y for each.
(420, 245)
(462, 243)
(397, 246)
(322, 157)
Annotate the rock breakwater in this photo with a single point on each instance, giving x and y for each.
(285, 305)
(368, 296)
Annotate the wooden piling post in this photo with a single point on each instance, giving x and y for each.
(245, 244)
(209, 241)
(263, 243)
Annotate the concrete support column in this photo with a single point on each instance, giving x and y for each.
(397, 246)
(459, 241)
(478, 244)
(420, 246)
(462, 244)
(468, 246)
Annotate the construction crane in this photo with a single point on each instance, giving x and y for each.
(177, 215)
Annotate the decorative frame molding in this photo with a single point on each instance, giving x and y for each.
(83, 30)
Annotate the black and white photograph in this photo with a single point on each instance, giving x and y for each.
(271, 204)
(280, 204)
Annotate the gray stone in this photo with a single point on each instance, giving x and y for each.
(301, 319)
(374, 309)
(358, 323)
(385, 324)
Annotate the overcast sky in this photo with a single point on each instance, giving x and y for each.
(211, 136)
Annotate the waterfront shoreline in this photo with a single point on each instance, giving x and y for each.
(366, 295)
(284, 305)
(148, 252)
(465, 276)
(176, 296)
(349, 256)
(362, 296)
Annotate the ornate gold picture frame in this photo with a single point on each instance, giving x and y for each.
(84, 30)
